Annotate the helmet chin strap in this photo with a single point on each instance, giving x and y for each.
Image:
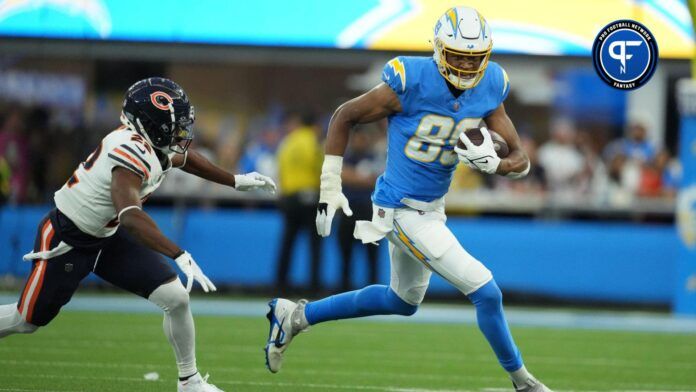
(126, 122)
(173, 116)
(142, 133)
(459, 82)
(139, 128)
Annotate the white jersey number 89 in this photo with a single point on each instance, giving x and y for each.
(433, 133)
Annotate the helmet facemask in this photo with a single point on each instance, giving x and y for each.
(182, 136)
(459, 77)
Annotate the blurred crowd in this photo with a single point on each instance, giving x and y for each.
(36, 153)
(39, 149)
(572, 165)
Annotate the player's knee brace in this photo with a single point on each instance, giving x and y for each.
(170, 296)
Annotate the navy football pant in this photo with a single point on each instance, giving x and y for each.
(121, 261)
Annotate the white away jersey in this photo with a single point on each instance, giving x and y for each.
(86, 197)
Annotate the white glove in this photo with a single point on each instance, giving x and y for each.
(254, 180)
(483, 157)
(193, 272)
(331, 197)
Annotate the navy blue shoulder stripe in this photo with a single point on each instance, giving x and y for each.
(127, 165)
(132, 151)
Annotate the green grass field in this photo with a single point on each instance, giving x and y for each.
(82, 351)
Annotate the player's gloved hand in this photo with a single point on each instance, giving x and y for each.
(482, 157)
(193, 272)
(252, 181)
(331, 197)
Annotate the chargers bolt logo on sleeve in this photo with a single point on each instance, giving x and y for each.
(625, 54)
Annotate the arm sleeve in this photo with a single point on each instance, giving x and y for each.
(130, 156)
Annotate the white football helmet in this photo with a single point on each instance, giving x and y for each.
(462, 31)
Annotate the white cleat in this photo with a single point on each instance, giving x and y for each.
(532, 385)
(286, 320)
(196, 383)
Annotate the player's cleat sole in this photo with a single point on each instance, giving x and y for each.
(280, 333)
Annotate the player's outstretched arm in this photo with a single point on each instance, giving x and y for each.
(200, 166)
(516, 164)
(125, 194)
(374, 105)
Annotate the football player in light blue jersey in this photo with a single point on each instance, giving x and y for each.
(429, 102)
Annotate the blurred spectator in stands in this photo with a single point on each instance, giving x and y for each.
(560, 159)
(659, 177)
(4, 181)
(361, 167)
(650, 184)
(299, 168)
(671, 173)
(14, 149)
(45, 176)
(594, 178)
(260, 154)
(624, 180)
(634, 146)
(535, 181)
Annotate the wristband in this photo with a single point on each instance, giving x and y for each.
(332, 164)
(126, 209)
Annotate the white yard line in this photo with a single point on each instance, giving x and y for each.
(320, 386)
(328, 357)
(631, 387)
(554, 318)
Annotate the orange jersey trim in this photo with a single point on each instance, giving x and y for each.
(133, 161)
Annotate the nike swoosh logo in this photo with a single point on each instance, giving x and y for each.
(140, 149)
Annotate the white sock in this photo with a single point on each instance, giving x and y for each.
(520, 376)
(11, 321)
(178, 324)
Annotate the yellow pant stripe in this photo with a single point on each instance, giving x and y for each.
(409, 244)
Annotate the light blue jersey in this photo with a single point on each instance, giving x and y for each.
(421, 138)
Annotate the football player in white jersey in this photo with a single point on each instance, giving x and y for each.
(99, 226)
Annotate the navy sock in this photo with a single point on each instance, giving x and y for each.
(369, 301)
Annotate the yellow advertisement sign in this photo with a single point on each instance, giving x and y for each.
(532, 26)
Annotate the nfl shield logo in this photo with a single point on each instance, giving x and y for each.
(380, 213)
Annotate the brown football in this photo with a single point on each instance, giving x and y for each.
(476, 137)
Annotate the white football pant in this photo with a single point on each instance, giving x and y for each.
(421, 243)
